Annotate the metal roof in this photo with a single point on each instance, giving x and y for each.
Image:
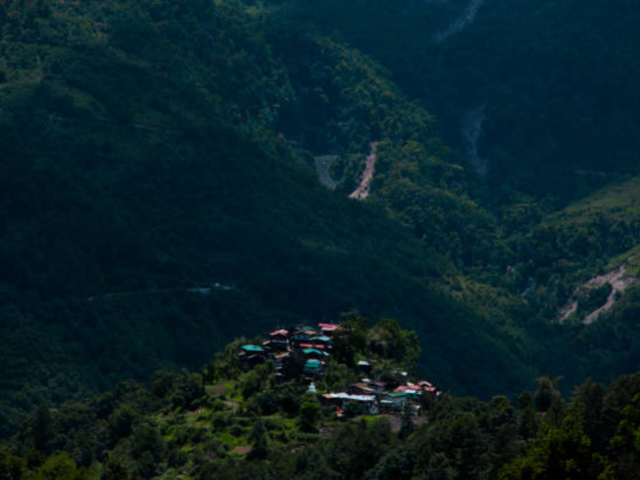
(252, 348)
(347, 396)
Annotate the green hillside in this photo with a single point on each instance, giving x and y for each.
(556, 80)
(159, 196)
(140, 161)
(244, 418)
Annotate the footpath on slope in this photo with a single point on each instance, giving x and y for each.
(619, 281)
(362, 192)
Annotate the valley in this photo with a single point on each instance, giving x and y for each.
(168, 148)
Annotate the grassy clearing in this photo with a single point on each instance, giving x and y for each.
(619, 200)
(631, 258)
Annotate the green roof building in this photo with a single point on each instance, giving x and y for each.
(309, 351)
(322, 339)
(252, 348)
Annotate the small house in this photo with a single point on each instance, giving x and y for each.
(252, 360)
(280, 359)
(313, 367)
(279, 339)
(322, 339)
(365, 366)
(301, 337)
(360, 389)
(427, 387)
(252, 355)
(366, 403)
(329, 329)
(378, 386)
(252, 349)
(312, 345)
(411, 390)
(312, 353)
(395, 399)
(281, 335)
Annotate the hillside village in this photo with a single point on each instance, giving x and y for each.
(303, 353)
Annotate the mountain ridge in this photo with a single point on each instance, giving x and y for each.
(156, 145)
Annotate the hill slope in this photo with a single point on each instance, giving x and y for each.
(158, 197)
(150, 210)
(557, 80)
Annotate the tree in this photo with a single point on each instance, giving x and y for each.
(11, 468)
(438, 468)
(310, 413)
(397, 464)
(559, 453)
(406, 422)
(555, 414)
(385, 339)
(113, 470)
(467, 447)
(60, 467)
(310, 464)
(527, 420)
(386, 370)
(412, 349)
(352, 338)
(42, 429)
(546, 392)
(294, 365)
(209, 371)
(258, 437)
(590, 396)
(188, 389)
(120, 423)
(626, 442)
(147, 448)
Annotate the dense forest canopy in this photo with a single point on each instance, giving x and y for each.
(557, 79)
(159, 193)
(236, 421)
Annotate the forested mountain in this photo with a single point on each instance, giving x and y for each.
(159, 189)
(555, 80)
(234, 421)
(143, 161)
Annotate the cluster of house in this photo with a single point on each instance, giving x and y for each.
(375, 397)
(313, 344)
(314, 347)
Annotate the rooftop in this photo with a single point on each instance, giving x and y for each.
(362, 386)
(346, 396)
(252, 348)
(279, 332)
(328, 327)
(311, 345)
(397, 394)
(321, 339)
(308, 351)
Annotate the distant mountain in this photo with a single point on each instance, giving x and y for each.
(557, 79)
